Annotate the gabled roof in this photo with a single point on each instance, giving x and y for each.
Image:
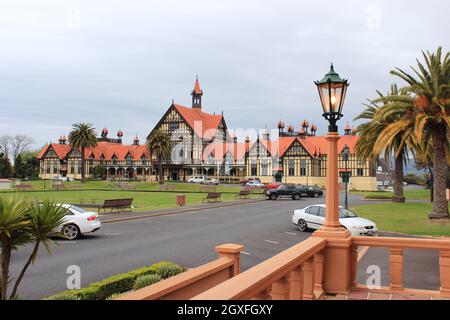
(204, 124)
(107, 149)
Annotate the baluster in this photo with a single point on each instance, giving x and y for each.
(308, 280)
(444, 270)
(396, 268)
(280, 289)
(318, 275)
(296, 284)
(353, 265)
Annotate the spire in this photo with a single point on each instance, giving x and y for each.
(196, 94)
(347, 129)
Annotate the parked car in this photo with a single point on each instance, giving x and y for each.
(196, 179)
(291, 191)
(255, 184)
(211, 181)
(313, 191)
(313, 217)
(61, 178)
(273, 185)
(78, 222)
(246, 180)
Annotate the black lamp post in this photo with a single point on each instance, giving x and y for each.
(346, 176)
(332, 90)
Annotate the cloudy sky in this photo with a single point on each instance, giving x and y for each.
(120, 63)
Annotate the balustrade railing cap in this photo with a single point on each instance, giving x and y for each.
(229, 248)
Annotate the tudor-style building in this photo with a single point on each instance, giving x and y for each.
(121, 161)
(202, 145)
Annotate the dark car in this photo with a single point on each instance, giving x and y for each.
(313, 191)
(288, 191)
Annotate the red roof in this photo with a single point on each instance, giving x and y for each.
(103, 149)
(197, 89)
(204, 124)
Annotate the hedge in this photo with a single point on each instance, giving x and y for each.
(117, 284)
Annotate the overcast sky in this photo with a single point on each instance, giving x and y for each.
(120, 63)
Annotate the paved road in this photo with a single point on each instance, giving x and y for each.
(186, 238)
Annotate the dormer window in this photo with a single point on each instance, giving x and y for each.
(143, 160)
(129, 159)
(114, 159)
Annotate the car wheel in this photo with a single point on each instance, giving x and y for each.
(316, 195)
(71, 231)
(296, 197)
(302, 225)
(273, 197)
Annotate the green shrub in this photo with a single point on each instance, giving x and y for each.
(119, 283)
(146, 280)
(64, 296)
(168, 269)
(114, 296)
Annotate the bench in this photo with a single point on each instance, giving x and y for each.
(243, 194)
(166, 187)
(23, 187)
(128, 186)
(212, 196)
(119, 204)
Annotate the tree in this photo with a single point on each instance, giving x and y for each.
(160, 145)
(14, 231)
(5, 167)
(45, 219)
(99, 172)
(373, 140)
(19, 144)
(19, 168)
(5, 142)
(82, 136)
(430, 117)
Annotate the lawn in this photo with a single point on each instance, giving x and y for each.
(412, 194)
(410, 218)
(141, 200)
(113, 185)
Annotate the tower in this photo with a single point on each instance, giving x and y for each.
(196, 94)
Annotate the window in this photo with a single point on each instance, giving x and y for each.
(72, 167)
(254, 169)
(143, 160)
(322, 212)
(265, 168)
(79, 167)
(303, 167)
(55, 169)
(114, 160)
(128, 160)
(360, 172)
(314, 211)
(174, 126)
(291, 168)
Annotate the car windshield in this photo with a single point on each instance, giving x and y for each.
(77, 209)
(345, 213)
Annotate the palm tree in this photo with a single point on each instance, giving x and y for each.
(159, 145)
(14, 227)
(373, 140)
(82, 136)
(46, 219)
(430, 117)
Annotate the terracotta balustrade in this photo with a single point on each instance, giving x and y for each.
(396, 248)
(194, 281)
(296, 273)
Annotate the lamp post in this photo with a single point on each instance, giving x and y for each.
(345, 157)
(332, 90)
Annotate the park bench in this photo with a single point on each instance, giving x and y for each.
(128, 186)
(166, 188)
(243, 194)
(212, 196)
(23, 187)
(58, 186)
(118, 204)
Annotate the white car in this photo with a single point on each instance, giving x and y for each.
(255, 184)
(78, 222)
(211, 181)
(313, 217)
(197, 179)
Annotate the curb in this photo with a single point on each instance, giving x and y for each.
(181, 211)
